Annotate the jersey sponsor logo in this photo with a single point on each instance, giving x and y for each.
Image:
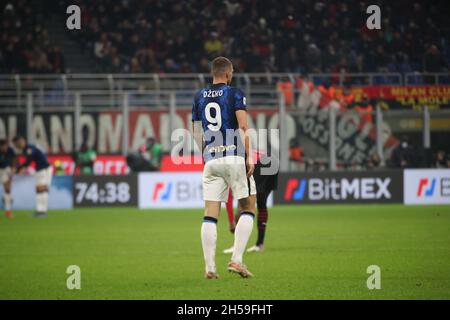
(222, 148)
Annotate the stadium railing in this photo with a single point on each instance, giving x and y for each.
(259, 87)
(328, 137)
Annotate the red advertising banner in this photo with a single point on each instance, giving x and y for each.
(117, 165)
(415, 97)
(103, 165)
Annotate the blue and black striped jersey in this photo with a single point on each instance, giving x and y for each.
(36, 155)
(215, 106)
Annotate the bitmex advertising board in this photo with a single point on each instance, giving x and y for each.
(427, 186)
(340, 187)
(170, 190)
(174, 190)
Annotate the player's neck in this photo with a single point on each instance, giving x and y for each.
(219, 81)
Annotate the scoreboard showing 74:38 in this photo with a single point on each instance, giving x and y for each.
(105, 191)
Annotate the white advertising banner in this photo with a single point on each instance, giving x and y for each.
(170, 190)
(174, 190)
(427, 186)
(24, 194)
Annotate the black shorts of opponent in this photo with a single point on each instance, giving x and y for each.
(264, 183)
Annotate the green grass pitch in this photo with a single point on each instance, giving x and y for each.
(312, 252)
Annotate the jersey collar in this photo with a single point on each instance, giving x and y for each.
(218, 84)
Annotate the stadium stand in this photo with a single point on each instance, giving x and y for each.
(137, 54)
(151, 36)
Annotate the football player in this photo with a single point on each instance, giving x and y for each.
(220, 128)
(7, 160)
(43, 173)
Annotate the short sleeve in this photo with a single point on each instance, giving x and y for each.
(195, 113)
(240, 102)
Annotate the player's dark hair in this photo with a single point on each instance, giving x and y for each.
(3, 142)
(220, 66)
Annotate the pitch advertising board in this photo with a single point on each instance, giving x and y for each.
(340, 187)
(174, 190)
(24, 193)
(170, 190)
(105, 191)
(427, 186)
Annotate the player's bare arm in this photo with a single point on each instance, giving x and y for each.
(241, 116)
(197, 132)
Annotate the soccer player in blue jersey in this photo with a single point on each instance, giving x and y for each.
(7, 160)
(43, 173)
(220, 128)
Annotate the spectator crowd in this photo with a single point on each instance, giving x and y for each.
(25, 44)
(307, 36)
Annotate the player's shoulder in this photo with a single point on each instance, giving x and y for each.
(238, 94)
(236, 91)
(240, 101)
(198, 95)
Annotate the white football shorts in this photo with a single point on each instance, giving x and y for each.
(223, 173)
(5, 174)
(44, 177)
